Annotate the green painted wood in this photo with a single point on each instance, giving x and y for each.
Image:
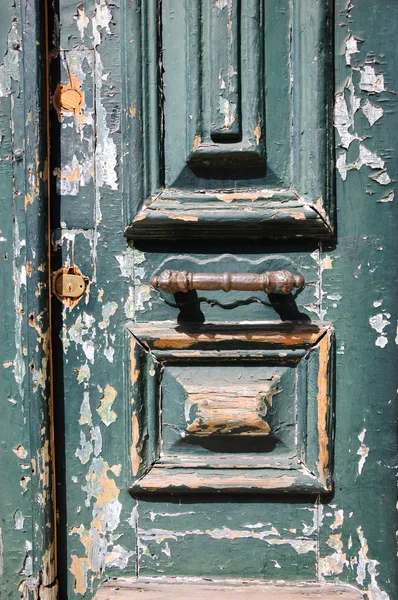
(27, 549)
(103, 531)
(175, 102)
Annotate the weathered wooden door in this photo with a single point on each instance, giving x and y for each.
(223, 292)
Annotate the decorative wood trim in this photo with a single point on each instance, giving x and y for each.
(305, 347)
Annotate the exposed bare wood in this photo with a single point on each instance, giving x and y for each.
(131, 589)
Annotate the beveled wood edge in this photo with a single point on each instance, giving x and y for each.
(279, 221)
(163, 478)
(195, 587)
(169, 335)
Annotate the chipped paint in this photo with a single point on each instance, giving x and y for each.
(372, 113)
(108, 310)
(363, 451)
(9, 68)
(97, 540)
(366, 564)
(335, 563)
(351, 47)
(379, 322)
(104, 410)
(370, 81)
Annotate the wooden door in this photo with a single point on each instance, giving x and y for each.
(207, 428)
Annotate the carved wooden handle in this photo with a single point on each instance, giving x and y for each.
(272, 282)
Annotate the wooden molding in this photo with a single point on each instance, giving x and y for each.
(166, 362)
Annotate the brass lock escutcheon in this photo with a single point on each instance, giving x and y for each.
(68, 285)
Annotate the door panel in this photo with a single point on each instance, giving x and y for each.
(142, 374)
(232, 141)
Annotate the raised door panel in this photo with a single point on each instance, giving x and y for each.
(231, 126)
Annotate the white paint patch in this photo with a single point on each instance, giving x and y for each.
(71, 177)
(351, 47)
(344, 113)
(129, 304)
(78, 333)
(381, 341)
(166, 550)
(109, 353)
(370, 81)
(86, 449)
(372, 113)
(336, 297)
(105, 151)
(82, 21)
(85, 410)
(368, 158)
(96, 436)
(363, 451)
(101, 19)
(228, 109)
(338, 519)
(379, 322)
(341, 165)
(19, 520)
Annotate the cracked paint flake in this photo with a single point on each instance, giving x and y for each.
(363, 451)
(381, 178)
(368, 158)
(104, 410)
(20, 451)
(344, 114)
(389, 198)
(372, 113)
